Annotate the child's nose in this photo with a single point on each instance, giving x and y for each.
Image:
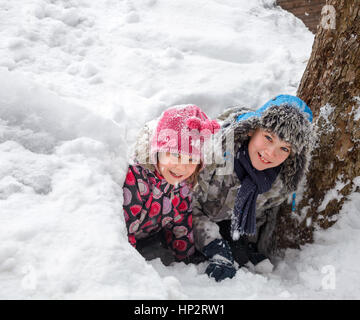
(180, 168)
(271, 152)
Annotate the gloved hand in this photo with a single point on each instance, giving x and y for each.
(244, 251)
(239, 249)
(262, 263)
(221, 261)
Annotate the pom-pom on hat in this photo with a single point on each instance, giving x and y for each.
(183, 129)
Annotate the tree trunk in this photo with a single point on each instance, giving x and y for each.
(331, 88)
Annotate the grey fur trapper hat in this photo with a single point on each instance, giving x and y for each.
(291, 120)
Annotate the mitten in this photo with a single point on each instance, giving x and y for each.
(262, 263)
(239, 250)
(221, 261)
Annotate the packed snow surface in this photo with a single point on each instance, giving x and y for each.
(78, 79)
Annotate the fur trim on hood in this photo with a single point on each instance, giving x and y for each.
(141, 151)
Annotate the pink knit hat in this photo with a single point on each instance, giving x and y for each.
(183, 130)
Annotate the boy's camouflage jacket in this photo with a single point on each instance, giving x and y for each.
(214, 195)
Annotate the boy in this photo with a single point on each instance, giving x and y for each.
(235, 214)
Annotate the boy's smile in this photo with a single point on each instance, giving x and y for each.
(262, 159)
(266, 150)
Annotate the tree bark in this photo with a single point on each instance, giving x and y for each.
(331, 87)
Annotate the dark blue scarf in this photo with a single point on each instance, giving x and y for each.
(253, 183)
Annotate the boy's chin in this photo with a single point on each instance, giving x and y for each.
(262, 166)
(259, 168)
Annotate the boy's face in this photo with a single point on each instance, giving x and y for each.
(175, 168)
(266, 150)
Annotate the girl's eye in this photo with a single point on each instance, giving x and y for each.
(285, 149)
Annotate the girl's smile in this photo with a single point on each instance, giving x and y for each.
(176, 176)
(175, 168)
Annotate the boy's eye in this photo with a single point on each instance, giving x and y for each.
(268, 137)
(285, 149)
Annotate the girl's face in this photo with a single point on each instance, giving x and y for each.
(266, 150)
(175, 168)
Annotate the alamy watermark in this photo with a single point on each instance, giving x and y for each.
(196, 145)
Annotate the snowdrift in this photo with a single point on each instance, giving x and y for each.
(62, 233)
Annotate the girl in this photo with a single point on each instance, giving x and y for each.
(158, 186)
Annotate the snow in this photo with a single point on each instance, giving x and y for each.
(332, 194)
(78, 79)
(357, 110)
(326, 112)
(326, 269)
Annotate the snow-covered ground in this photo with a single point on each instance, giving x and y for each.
(78, 78)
